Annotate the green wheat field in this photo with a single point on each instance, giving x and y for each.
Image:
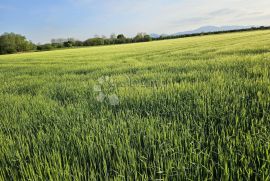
(185, 109)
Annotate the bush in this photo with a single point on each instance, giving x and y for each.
(45, 47)
(142, 37)
(13, 43)
(57, 45)
(68, 44)
(94, 42)
(78, 43)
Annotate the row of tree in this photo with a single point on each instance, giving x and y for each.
(13, 43)
(96, 41)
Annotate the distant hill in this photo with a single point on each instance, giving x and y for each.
(154, 35)
(205, 29)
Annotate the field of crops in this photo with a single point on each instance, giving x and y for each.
(185, 109)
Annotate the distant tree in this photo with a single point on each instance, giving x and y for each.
(121, 36)
(59, 41)
(128, 40)
(94, 42)
(120, 39)
(45, 47)
(53, 41)
(147, 38)
(12, 43)
(142, 37)
(113, 36)
(71, 40)
(68, 44)
(108, 41)
(57, 45)
(78, 43)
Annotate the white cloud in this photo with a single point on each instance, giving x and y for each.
(194, 13)
(151, 16)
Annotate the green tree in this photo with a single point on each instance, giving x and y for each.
(78, 43)
(45, 47)
(94, 42)
(121, 36)
(147, 38)
(142, 37)
(68, 44)
(12, 43)
(120, 39)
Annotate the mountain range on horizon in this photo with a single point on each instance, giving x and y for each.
(203, 29)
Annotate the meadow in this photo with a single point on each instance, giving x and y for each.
(185, 109)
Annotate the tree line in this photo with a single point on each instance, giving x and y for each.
(14, 43)
(96, 41)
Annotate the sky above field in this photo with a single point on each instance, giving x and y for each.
(40, 21)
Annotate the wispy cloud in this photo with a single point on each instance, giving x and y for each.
(224, 11)
(84, 18)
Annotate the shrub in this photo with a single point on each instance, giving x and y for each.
(12, 43)
(94, 42)
(45, 47)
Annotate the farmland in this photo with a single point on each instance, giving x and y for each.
(185, 109)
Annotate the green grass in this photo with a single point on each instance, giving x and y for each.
(190, 109)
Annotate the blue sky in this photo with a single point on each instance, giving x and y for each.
(40, 21)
